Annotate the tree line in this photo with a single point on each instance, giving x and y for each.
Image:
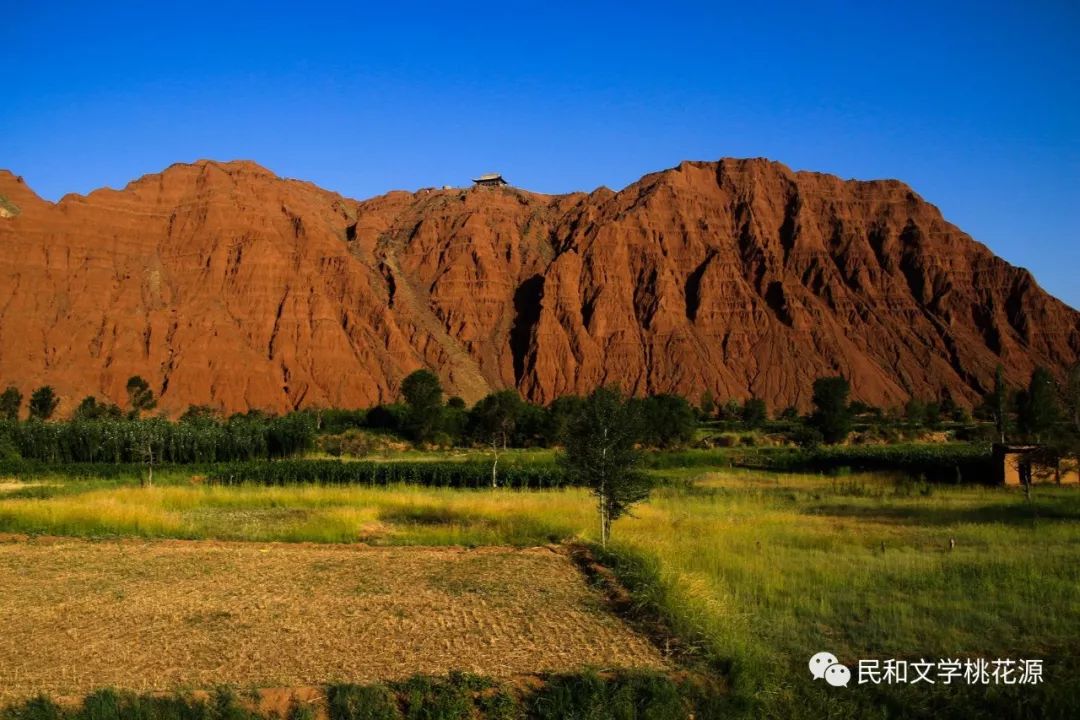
(1040, 412)
(101, 432)
(44, 402)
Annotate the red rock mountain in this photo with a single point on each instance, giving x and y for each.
(226, 285)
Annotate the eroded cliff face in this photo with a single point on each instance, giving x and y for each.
(225, 285)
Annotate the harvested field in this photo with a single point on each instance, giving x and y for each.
(159, 615)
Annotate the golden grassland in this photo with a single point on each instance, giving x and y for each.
(762, 570)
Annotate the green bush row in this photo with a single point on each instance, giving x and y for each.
(945, 462)
(534, 476)
(243, 437)
(31, 469)
(627, 695)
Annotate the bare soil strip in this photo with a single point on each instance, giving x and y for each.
(161, 615)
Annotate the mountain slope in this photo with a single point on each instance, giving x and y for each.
(226, 285)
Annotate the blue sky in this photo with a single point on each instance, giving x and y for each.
(977, 106)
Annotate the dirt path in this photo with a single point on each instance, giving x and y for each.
(159, 615)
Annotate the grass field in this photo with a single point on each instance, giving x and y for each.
(759, 571)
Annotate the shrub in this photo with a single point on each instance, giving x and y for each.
(39, 708)
(432, 699)
(114, 705)
(627, 695)
(567, 696)
(624, 695)
(337, 420)
(352, 442)
(806, 436)
(368, 702)
(978, 433)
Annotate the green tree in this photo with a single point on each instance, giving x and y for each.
(422, 394)
(10, 402)
(950, 410)
(531, 426)
(708, 405)
(1038, 410)
(806, 436)
(205, 412)
(493, 420)
(832, 416)
(560, 413)
(754, 412)
(454, 419)
(730, 411)
(666, 420)
(996, 403)
(43, 403)
(91, 409)
(140, 396)
(915, 412)
(1072, 398)
(600, 454)
(1070, 444)
(148, 444)
(933, 415)
(387, 417)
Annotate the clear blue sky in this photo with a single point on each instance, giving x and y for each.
(977, 106)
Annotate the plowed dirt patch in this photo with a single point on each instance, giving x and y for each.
(160, 615)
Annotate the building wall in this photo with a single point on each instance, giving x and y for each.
(1066, 474)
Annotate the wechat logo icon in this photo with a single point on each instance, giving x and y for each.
(824, 665)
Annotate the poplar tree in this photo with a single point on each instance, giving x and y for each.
(600, 454)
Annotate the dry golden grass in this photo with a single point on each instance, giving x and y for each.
(167, 614)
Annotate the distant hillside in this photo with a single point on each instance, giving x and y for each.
(226, 285)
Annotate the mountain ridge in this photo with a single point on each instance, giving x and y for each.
(224, 284)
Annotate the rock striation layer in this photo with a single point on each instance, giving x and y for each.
(225, 285)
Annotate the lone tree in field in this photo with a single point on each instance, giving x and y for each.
(832, 416)
(600, 455)
(43, 403)
(423, 397)
(148, 443)
(10, 402)
(494, 419)
(140, 396)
